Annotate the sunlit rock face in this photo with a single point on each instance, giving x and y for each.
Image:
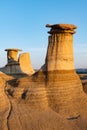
(63, 84)
(17, 65)
(51, 98)
(25, 63)
(12, 66)
(5, 106)
(60, 47)
(12, 55)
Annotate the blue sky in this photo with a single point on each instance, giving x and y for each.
(22, 25)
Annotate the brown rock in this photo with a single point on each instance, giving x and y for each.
(25, 63)
(4, 103)
(18, 67)
(12, 55)
(53, 97)
(63, 86)
(60, 48)
(62, 26)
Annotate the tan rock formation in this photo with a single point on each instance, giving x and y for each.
(12, 67)
(12, 55)
(60, 52)
(53, 97)
(63, 84)
(64, 88)
(25, 63)
(17, 66)
(5, 106)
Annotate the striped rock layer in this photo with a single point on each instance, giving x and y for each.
(52, 98)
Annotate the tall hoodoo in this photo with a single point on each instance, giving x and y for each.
(64, 87)
(60, 48)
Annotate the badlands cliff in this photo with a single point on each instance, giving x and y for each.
(50, 99)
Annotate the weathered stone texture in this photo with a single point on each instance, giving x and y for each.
(12, 55)
(60, 52)
(15, 65)
(25, 63)
(5, 106)
(52, 98)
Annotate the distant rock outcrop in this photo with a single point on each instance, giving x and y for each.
(12, 55)
(25, 63)
(17, 65)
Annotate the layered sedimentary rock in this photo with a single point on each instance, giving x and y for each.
(53, 97)
(25, 63)
(15, 65)
(5, 106)
(60, 47)
(12, 66)
(63, 84)
(12, 55)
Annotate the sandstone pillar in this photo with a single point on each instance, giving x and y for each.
(12, 66)
(64, 88)
(12, 55)
(60, 48)
(25, 63)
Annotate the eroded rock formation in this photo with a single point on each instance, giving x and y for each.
(60, 47)
(64, 87)
(12, 55)
(25, 63)
(5, 106)
(53, 97)
(15, 65)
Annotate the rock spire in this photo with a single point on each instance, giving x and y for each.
(60, 47)
(12, 55)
